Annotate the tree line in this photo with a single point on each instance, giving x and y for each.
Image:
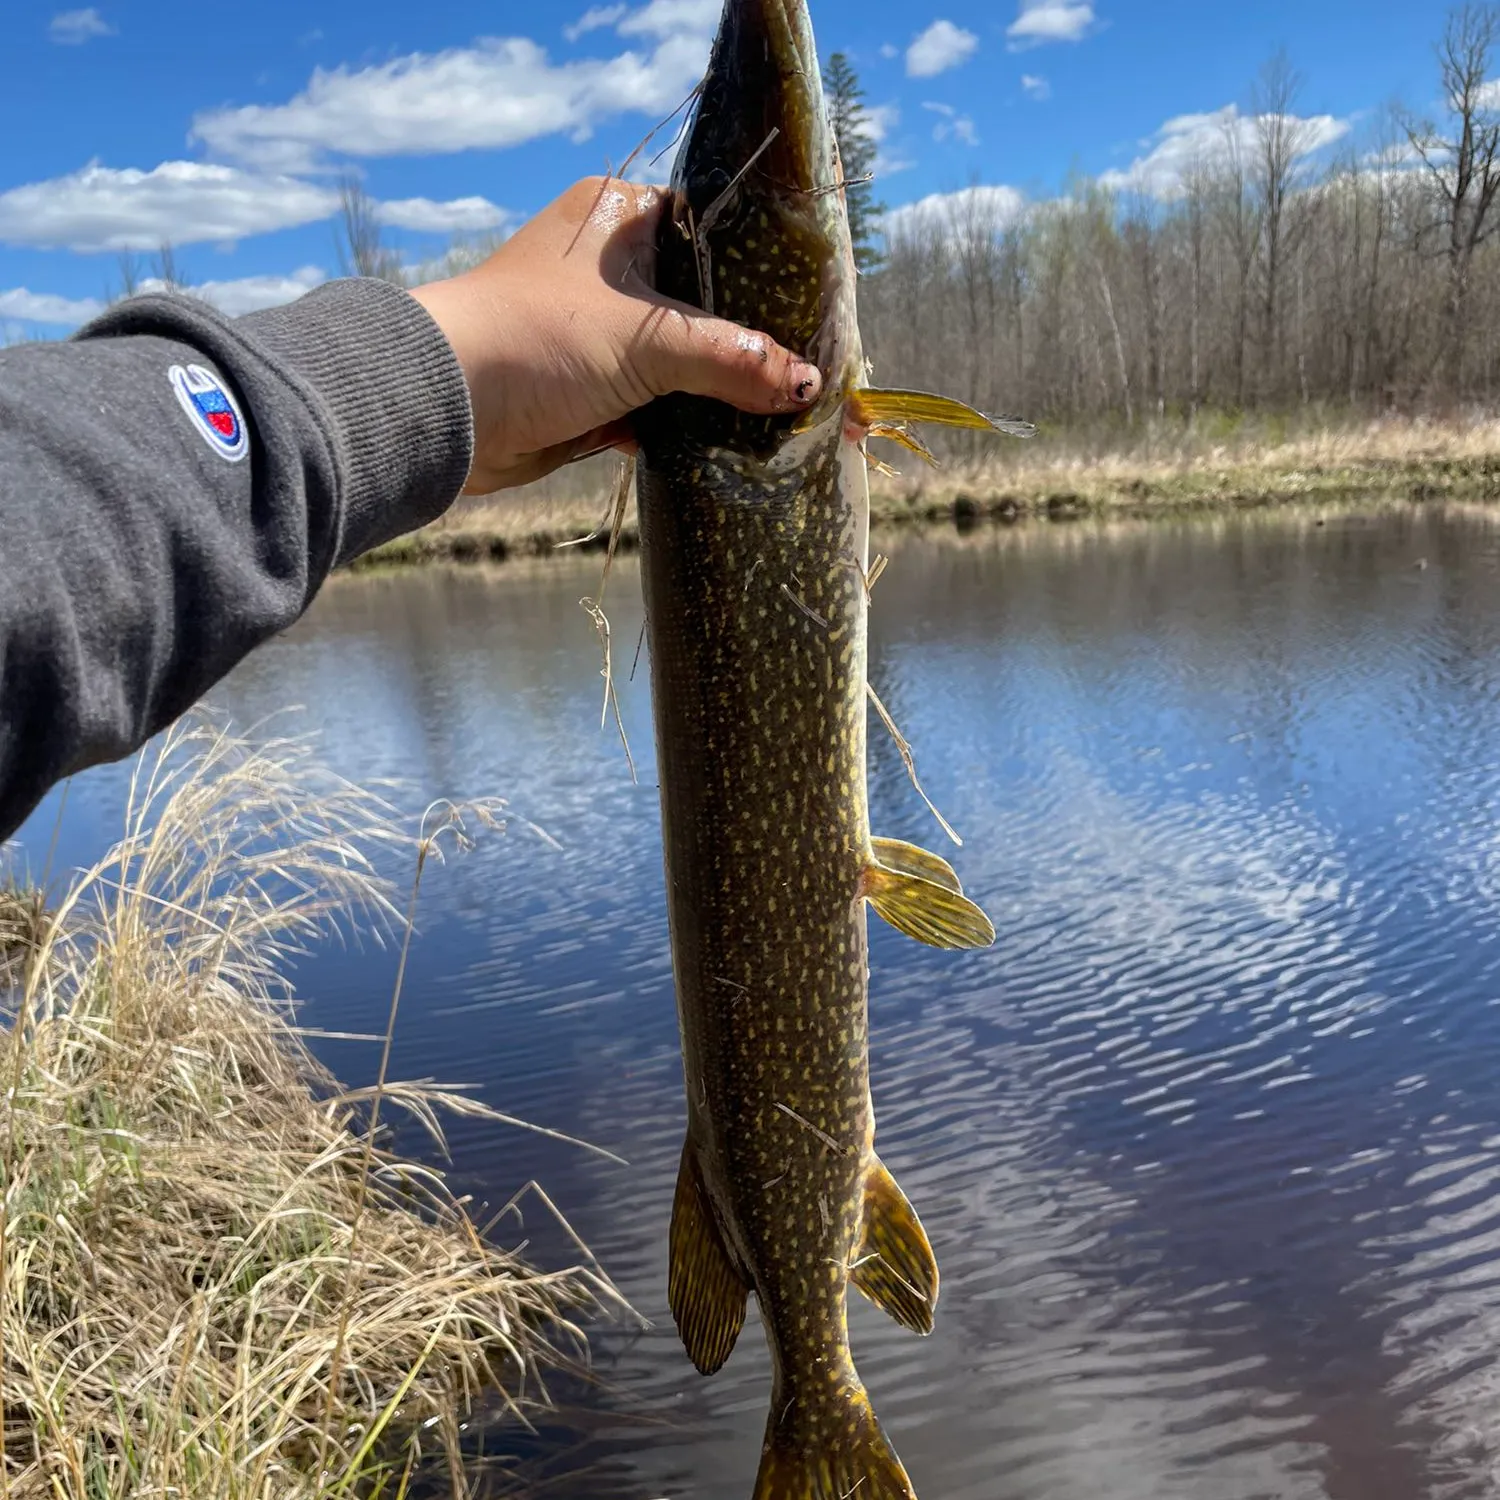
(1253, 283)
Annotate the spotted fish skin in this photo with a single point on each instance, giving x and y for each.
(755, 543)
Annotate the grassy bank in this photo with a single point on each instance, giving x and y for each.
(1163, 467)
(214, 1280)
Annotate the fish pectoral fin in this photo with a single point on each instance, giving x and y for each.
(930, 911)
(706, 1293)
(895, 1268)
(876, 408)
(907, 859)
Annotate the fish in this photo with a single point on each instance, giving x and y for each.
(756, 572)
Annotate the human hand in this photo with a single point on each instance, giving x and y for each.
(561, 337)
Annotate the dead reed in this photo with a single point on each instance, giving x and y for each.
(213, 1280)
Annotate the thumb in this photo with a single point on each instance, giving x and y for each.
(683, 349)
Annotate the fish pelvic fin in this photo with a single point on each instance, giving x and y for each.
(905, 438)
(895, 1267)
(919, 895)
(845, 1457)
(907, 859)
(706, 1293)
(893, 409)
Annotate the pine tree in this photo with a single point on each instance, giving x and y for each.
(857, 148)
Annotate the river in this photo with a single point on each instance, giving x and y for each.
(1208, 1145)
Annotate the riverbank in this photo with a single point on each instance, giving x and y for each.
(1162, 469)
(215, 1280)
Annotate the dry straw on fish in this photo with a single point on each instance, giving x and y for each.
(213, 1281)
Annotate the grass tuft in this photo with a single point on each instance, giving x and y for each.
(213, 1281)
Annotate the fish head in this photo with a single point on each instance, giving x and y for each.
(759, 228)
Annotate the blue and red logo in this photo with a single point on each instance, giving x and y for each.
(212, 411)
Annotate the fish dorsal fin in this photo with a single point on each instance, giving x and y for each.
(706, 1293)
(907, 859)
(877, 408)
(930, 910)
(895, 1267)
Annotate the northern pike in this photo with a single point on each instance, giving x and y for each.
(755, 555)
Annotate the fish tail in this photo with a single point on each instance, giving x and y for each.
(842, 1455)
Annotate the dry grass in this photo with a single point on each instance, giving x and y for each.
(213, 1281)
(1218, 461)
(23, 929)
(1163, 466)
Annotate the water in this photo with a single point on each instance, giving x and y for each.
(1208, 1145)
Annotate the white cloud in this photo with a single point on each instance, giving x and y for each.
(186, 203)
(879, 120)
(942, 46)
(952, 125)
(1189, 141)
(1035, 87)
(1400, 156)
(888, 50)
(878, 123)
(666, 18)
(1050, 21)
(43, 307)
(993, 208)
(495, 94)
(71, 28)
(255, 293)
(244, 295)
(461, 216)
(596, 18)
(1487, 96)
(179, 203)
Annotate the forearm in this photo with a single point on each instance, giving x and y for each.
(140, 561)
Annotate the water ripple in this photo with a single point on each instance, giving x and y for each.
(1208, 1144)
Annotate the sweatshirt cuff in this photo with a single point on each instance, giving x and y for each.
(395, 396)
(377, 373)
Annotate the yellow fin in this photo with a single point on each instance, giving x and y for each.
(833, 1450)
(872, 408)
(908, 440)
(907, 859)
(931, 913)
(705, 1291)
(896, 1268)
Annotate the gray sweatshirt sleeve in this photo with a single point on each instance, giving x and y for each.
(145, 548)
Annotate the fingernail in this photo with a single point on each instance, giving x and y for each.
(807, 384)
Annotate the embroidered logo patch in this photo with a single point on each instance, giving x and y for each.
(212, 411)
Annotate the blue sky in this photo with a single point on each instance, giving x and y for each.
(224, 130)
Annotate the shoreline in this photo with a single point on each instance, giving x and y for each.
(500, 531)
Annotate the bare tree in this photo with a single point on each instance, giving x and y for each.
(1144, 244)
(1196, 188)
(361, 244)
(1280, 140)
(1239, 223)
(1463, 164)
(1254, 281)
(1101, 243)
(128, 274)
(164, 268)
